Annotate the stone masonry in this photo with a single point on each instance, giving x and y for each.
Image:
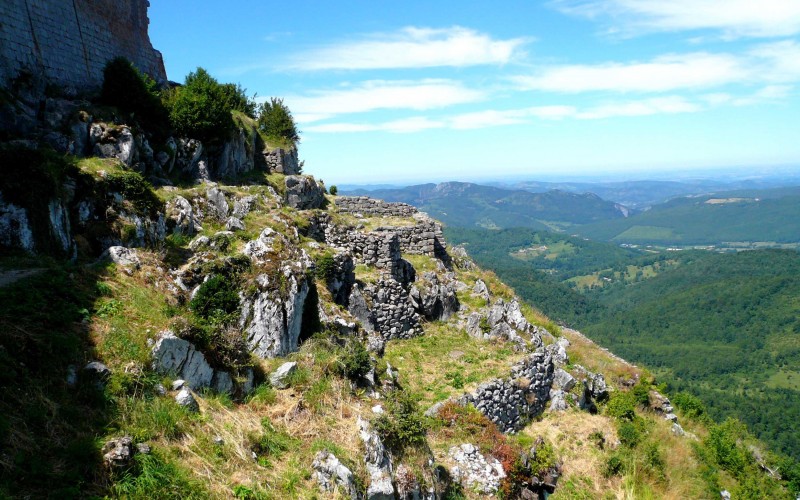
(370, 206)
(71, 42)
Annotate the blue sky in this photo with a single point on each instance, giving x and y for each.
(419, 91)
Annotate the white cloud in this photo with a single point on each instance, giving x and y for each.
(665, 73)
(412, 47)
(777, 62)
(380, 94)
(733, 18)
(495, 118)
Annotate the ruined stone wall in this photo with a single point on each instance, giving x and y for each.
(69, 42)
(370, 206)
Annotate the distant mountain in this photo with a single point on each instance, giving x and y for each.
(769, 215)
(642, 194)
(461, 204)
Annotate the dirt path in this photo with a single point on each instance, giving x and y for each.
(12, 275)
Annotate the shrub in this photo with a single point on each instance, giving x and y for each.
(355, 361)
(722, 441)
(629, 434)
(216, 299)
(333, 190)
(201, 109)
(275, 121)
(136, 190)
(690, 405)
(641, 393)
(133, 92)
(621, 405)
(614, 465)
(402, 424)
(325, 267)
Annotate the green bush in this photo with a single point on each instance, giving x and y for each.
(629, 434)
(133, 92)
(201, 109)
(690, 405)
(136, 190)
(356, 361)
(614, 465)
(333, 190)
(216, 299)
(275, 121)
(621, 405)
(402, 424)
(325, 267)
(641, 393)
(722, 441)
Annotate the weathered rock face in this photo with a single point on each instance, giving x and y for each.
(183, 217)
(178, 357)
(282, 161)
(303, 192)
(237, 155)
(331, 474)
(279, 379)
(126, 257)
(511, 403)
(474, 471)
(217, 204)
(379, 465)
(434, 299)
(272, 317)
(15, 230)
(505, 321)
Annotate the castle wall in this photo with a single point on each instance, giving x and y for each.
(70, 41)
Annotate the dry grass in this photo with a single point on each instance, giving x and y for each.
(596, 359)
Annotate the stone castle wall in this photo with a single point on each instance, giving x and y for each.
(70, 41)
(371, 206)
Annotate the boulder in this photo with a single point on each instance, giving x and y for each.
(234, 224)
(243, 206)
(182, 217)
(217, 204)
(186, 399)
(179, 357)
(303, 192)
(122, 256)
(331, 474)
(118, 453)
(96, 373)
(563, 380)
(279, 379)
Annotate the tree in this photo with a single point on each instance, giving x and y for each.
(275, 121)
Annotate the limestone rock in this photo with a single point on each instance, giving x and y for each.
(558, 401)
(379, 465)
(186, 399)
(182, 217)
(122, 256)
(243, 206)
(303, 192)
(330, 473)
(259, 248)
(234, 224)
(474, 471)
(433, 299)
(279, 379)
(176, 356)
(282, 161)
(217, 204)
(563, 380)
(15, 229)
(272, 317)
(118, 453)
(481, 290)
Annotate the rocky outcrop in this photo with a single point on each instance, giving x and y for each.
(122, 256)
(279, 379)
(282, 161)
(237, 155)
(506, 321)
(303, 192)
(331, 474)
(434, 299)
(15, 230)
(510, 403)
(217, 204)
(180, 358)
(183, 217)
(474, 471)
(272, 316)
(378, 462)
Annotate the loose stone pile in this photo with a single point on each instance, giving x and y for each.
(474, 472)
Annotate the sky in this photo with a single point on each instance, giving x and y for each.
(412, 91)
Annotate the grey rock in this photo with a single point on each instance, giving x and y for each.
(186, 399)
(282, 161)
(15, 229)
(122, 256)
(379, 465)
(177, 385)
(179, 357)
(200, 242)
(222, 382)
(558, 401)
(118, 453)
(72, 376)
(183, 217)
(234, 224)
(96, 373)
(279, 379)
(725, 495)
(481, 290)
(677, 429)
(243, 206)
(303, 192)
(331, 474)
(217, 204)
(563, 380)
(474, 471)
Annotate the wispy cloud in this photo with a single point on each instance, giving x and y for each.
(732, 18)
(765, 63)
(380, 94)
(412, 47)
(497, 118)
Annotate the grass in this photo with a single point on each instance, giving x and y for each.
(446, 362)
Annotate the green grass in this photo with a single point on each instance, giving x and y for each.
(648, 233)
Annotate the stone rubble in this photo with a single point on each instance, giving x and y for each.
(331, 474)
(474, 471)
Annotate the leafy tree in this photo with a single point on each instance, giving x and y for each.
(275, 121)
(135, 93)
